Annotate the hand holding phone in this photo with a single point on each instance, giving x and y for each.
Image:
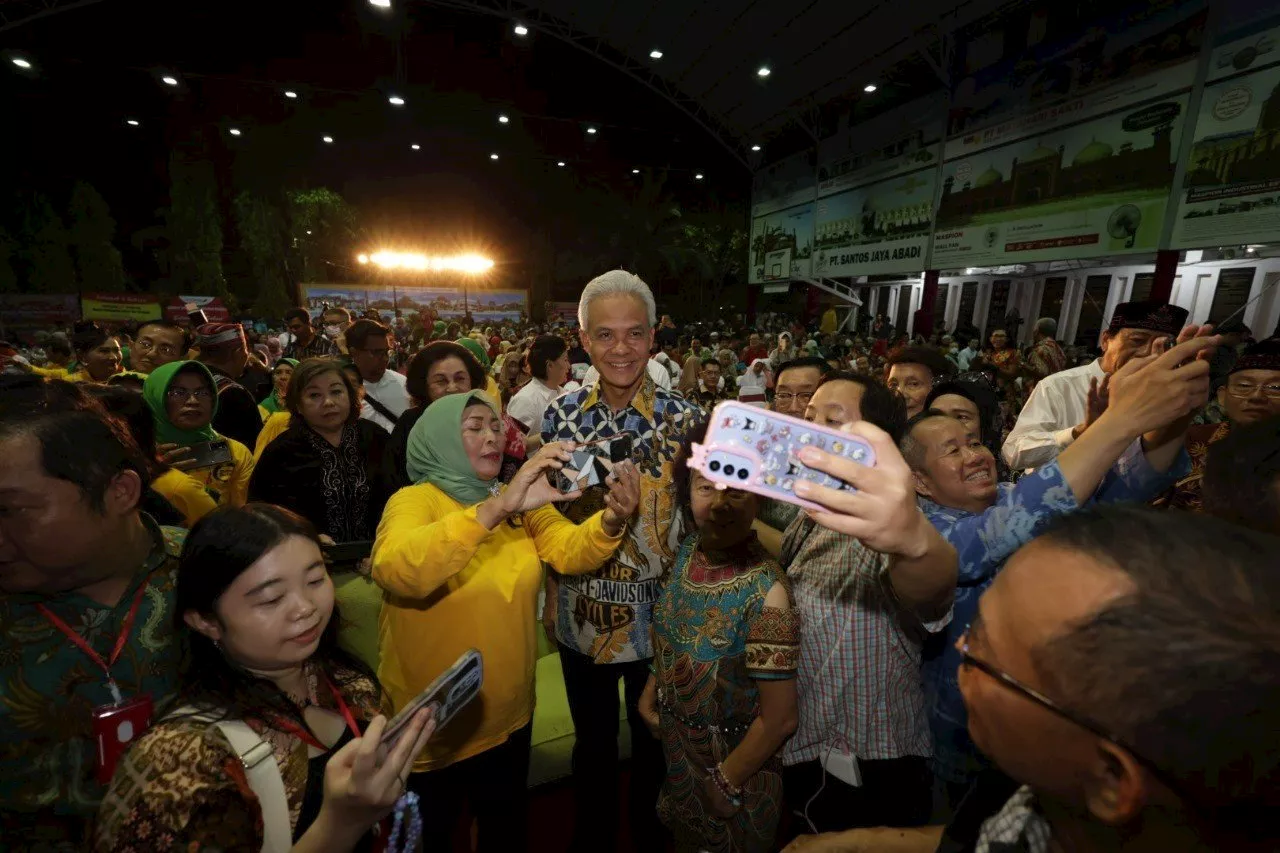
(449, 693)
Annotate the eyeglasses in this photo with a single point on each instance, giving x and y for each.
(787, 399)
(376, 353)
(1246, 389)
(183, 394)
(967, 659)
(144, 345)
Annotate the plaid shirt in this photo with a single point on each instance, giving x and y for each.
(859, 685)
(319, 347)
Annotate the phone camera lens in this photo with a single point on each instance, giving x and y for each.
(728, 470)
(742, 473)
(713, 465)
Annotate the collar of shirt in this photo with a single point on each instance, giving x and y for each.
(642, 401)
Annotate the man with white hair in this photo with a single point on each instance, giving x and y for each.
(601, 621)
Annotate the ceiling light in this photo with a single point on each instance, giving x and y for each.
(133, 122)
(763, 71)
(635, 171)
(308, 232)
(591, 130)
(289, 93)
(502, 119)
(493, 156)
(396, 101)
(328, 139)
(235, 131)
(755, 147)
(381, 4)
(169, 81)
(521, 30)
(655, 54)
(560, 163)
(416, 147)
(20, 62)
(698, 177)
(870, 87)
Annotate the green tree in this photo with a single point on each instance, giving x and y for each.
(322, 226)
(193, 224)
(90, 232)
(264, 231)
(8, 249)
(44, 261)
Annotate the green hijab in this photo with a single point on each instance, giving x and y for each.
(154, 391)
(273, 403)
(435, 452)
(477, 349)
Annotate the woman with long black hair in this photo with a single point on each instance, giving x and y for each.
(264, 677)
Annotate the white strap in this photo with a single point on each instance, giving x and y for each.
(265, 781)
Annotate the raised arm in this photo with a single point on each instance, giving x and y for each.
(421, 542)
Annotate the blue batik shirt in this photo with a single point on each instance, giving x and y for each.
(984, 542)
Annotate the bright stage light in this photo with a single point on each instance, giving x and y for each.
(472, 264)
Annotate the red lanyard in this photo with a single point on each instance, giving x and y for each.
(125, 629)
(311, 740)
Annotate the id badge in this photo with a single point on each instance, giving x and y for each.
(115, 727)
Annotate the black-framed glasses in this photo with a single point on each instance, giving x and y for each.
(1089, 725)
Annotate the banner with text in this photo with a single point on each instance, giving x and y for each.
(1091, 178)
(179, 307)
(33, 312)
(782, 245)
(120, 307)
(485, 305)
(1231, 193)
(784, 184)
(882, 227)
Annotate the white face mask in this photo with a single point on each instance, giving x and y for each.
(333, 330)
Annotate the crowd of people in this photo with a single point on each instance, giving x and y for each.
(1045, 619)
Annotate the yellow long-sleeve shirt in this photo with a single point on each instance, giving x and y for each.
(227, 483)
(452, 584)
(272, 429)
(187, 495)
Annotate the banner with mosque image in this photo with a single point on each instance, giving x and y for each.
(782, 245)
(1082, 178)
(1231, 192)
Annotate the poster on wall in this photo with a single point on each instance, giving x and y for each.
(784, 184)
(484, 304)
(120, 307)
(1063, 186)
(782, 245)
(1231, 192)
(879, 228)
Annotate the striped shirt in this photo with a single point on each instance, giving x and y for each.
(859, 685)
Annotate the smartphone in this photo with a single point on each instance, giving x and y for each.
(591, 463)
(206, 454)
(755, 450)
(450, 692)
(195, 315)
(348, 552)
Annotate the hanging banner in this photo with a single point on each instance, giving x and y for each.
(878, 228)
(120, 307)
(784, 184)
(177, 309)
(484, 305)
(782, 245)
(33, 312)
(562, 312)
(1055, 187)
(1231, 193)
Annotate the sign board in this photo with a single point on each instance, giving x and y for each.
(786, 231)
(484, 304)
(562, 312)
(34, 312)
(215, 311)
(120, 307)
(784, 184)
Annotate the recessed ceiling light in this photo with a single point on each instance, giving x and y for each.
(763, 71)
(381, 4)
(396, 101)
(521, 30)
(698, 177)
(560, 163)
(169, 81)
(755, 147)
(133, 122)
(655, 54)
(870, 87)
(635, 171)
(415, 146)
(591, 130)
(235, 131)
(289, 93)
(328, 139)
(20, 62)
(502, 119)
(493, 156)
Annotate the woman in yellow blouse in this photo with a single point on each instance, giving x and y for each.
(461, 563)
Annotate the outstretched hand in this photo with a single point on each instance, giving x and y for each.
(531, 488)
(1153, 391)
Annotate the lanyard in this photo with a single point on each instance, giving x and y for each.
(125, 629)
(307, 737)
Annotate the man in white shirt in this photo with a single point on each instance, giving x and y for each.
(549, 366)
(385, 395)
(1058, 409)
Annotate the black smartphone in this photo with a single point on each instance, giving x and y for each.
(206, 454)
(348, 552)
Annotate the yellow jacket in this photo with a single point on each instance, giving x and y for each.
(186, 494)
(452, 584)
(272, 428)
(228, 483)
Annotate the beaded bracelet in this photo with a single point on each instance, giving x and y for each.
(408, 802)
(731, 793)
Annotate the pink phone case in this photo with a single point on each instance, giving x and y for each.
(754, 449)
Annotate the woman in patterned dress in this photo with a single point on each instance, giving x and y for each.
(722, 697)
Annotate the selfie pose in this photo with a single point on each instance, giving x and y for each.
(183, 400)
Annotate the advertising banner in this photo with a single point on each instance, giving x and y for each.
(562, 312)
(484, 304)
(784, 184)
(176, 310)
(782, 245)
(878, 228)
(1042, 188)
(120, 307)
(1231, 193)
(33, 312)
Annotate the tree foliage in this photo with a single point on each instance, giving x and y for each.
(91, 232)
(8, 249)
(193, 225)
(264, 235)
(323, 226)
(44, 260)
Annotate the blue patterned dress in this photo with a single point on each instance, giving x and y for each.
(713, 639)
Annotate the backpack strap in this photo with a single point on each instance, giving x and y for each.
(381, 408)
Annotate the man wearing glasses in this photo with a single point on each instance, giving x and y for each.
(794, 384)
(1110, 739)
(385, 394)
(159, 342)
(1250, 394)
(912, 372)
(1130, 453)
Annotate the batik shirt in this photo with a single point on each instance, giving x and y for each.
(49, 688)
(607, 614)
(984, 542)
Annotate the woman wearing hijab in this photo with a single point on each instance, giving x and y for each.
(785, 351)
(183, 399)
(274, 404)
(460, 559)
